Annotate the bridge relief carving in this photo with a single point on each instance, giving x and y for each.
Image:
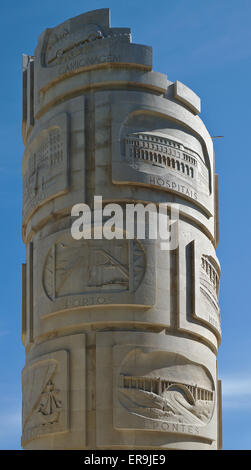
(182, 393)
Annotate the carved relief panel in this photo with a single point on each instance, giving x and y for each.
(206, 288)
(81, 44)
(197, 293)
(45, 165)
(153, 149)
(163, 384)
(87, 273)
(156, 153)
(165, 389)
(45, 385)
(65, 43)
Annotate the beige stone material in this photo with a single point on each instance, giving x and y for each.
(121, 337)
(187, 96)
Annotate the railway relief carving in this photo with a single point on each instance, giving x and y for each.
(166, 390)
(68, 43)
(45, 166)
(91, 272)
(209, 288)
(64, 44)
(164, 158)
(45, 398)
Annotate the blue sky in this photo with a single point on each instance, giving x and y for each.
(205, 44)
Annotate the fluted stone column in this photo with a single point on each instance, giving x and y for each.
(121, 337)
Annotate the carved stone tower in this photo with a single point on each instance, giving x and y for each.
(121, 336)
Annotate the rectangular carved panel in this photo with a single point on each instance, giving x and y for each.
(206, 274)
(45, 165)
(93, 273)
(153, 394)
(153, 152)
(158, 383)
(45, 384)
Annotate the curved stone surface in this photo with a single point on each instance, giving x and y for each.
(121, 336)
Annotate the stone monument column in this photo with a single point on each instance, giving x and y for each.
(121, 336)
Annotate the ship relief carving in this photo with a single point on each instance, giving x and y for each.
(164, 388)
(45, 403)
(75, 267)
(50, 404)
